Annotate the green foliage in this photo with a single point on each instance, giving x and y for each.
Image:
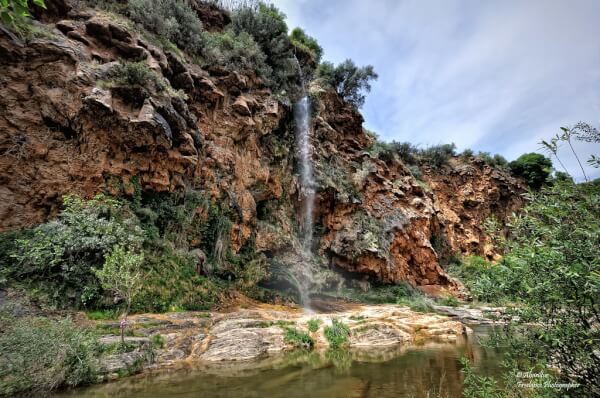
(467, 154)
(102, 315)
(158, 341)
(437, 156)
(555, 255)
(40, 355)
(512, 385)
(267, 26)
(552, 270)
(348, 80)
(487, 282)
(174, 20)
(298, 338)
(121, 274)
(417, 303)
(533, 167)
(493, 161)
(313, 325)
(337, 334)
(235, 52)
(15, 13)
(171, 282)
(307, 43)
(58, 256)
(137, 74)
(387, 294)
(479, 386)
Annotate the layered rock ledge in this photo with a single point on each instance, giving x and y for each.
(256, 334)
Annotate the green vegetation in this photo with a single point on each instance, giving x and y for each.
(337, 334)
(235, 52)
(15, 14)
(38, 355)
(121, 274)
(137, 74)
(174, 20)
(313, 325)
(307, 43)
(348, 80)
(298, 338)
(267, 26)
(551, 270)
(177, 244)
(56, 258)
(533, 167)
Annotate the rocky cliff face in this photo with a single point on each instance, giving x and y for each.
(66, 126)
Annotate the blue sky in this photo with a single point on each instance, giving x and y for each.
(494, 76)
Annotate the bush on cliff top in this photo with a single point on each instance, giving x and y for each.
(267, 26)
(348, 80)
(171, 19)
(307, 43)
(533, 167)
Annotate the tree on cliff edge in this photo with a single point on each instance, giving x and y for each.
(348, 80)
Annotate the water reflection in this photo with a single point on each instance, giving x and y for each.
(431, 370)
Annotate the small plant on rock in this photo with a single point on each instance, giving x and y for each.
(298, 338)
(337, 334)
(313, 325)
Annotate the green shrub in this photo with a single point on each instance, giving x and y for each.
(487, 282)
(121, 274)
(437, 156)
(41, 355)
(158, 341)
(101, 315)
(348, 80)
(137, 74)
(15, 13)
(298, 338)
(417, 303)
(174, 20)
(235, 52)
(467, 154)
(313, 325)
(533, 167)
(337, 334)
(59, 255)
(307, 43)
(267, 26)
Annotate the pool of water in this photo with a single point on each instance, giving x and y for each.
(429, 370)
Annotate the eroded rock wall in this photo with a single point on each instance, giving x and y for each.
(65, 127)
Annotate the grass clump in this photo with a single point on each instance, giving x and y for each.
(137, 74)
(337, 334)
(313, 325)
(102, 315)
(38, 355)
(158, 341)
(298, 338)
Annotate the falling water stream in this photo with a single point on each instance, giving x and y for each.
(306, 195)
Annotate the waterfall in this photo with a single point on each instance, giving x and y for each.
(307, 183)
(304, 272)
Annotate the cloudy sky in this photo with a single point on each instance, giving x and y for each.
(494, 76)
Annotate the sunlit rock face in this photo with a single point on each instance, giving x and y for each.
(64, 130)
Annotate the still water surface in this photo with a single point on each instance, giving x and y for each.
(431, 370)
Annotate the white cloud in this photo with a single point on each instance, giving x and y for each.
(494, 76)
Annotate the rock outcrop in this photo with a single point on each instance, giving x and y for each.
(260, 332)
(67, 126)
